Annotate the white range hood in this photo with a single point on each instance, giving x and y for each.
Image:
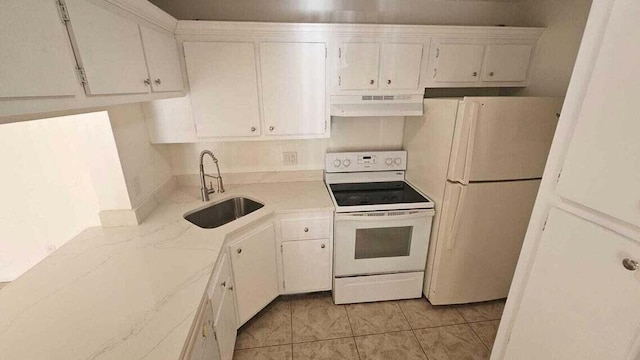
(376, 105)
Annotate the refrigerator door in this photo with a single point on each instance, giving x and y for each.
(479, 240)
(502, 138)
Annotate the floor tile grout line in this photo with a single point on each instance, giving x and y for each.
(351, 328)
(420, 344)
(412, 331)
(479, 321)
(478, 337)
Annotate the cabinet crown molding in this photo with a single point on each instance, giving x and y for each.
(148, 12)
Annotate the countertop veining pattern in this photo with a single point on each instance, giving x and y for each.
(131, 292)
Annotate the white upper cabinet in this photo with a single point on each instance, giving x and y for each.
(161, 52)
(506, 62)
(293, 88)
(358, 66)
(109, 49)
(224, 89)
(457, 62)
(35, 55)
(401, 65)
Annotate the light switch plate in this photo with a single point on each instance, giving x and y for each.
(290, 157)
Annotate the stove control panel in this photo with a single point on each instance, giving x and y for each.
(366, 161)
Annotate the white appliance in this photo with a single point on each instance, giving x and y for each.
(481, 160)
(376, 105)
(382, 227)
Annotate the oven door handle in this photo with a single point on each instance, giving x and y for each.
(408, 216)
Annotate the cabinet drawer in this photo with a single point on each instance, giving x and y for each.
(306, 229)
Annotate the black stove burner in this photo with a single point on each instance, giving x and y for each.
(378, 193)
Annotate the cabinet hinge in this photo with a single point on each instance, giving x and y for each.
(437, 53)
(435, 72)
(62, 10)
(339, 80)
(215, 336)
(559, 174)
(281, 250)
(325, 52)
(81, 75)
(283, 285)
(325, 125)
(339, 53)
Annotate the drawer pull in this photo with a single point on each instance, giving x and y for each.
(224, 284)
(322, 246)
(239, 251)
(630, 264)
(306, 229)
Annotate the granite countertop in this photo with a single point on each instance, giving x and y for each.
(131, 292)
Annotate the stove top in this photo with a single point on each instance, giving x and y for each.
(376, 193)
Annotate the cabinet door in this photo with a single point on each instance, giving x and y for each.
(204, 346)
(293, 88)
(401, 66)
(306, 265)
(35, 54)
(224, 88)
(253, 260)
(506, 62)
(458, 63)
(225, 324)
(602, 167)
(109, 48)
(161, 53)
(580, 301)
(358, 67)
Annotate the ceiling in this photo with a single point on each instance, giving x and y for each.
(431, 12)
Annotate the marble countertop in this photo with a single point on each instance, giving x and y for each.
(131, 292)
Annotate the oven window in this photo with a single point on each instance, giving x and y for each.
(383, 242)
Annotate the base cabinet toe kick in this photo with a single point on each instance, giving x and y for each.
(287, 253)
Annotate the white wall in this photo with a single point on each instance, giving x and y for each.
(47, 190)
(432, 12)
(557, 49)
(145, 166)
(347, 134)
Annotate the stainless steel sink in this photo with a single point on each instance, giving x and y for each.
(222, 213)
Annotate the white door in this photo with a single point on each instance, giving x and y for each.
(110, 49)
(503, 138)
(506, 62)
(225, 323)
(306, 265)
(204, 345)
(358, 67)
(161, 52)
(602, 167)
(481, 231)
(35, 54)
(224, 88)
(253, 260)
(401, 66)
(457, 63)
(293, 88)
(580, 301)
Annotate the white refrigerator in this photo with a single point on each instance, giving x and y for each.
(480, 159)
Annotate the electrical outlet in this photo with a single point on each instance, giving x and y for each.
(137, 188)
(290, 157)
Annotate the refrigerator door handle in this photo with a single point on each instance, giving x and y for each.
(451, 241)
(473, 117)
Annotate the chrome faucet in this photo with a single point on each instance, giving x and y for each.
(203, 182)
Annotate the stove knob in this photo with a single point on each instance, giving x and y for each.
(337, 163)
(389, 161)
(398, 161)
(346, 162)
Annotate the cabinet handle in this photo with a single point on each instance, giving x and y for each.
(239, 251)
(322, 246)
(205, 330)
(147, 82)
(371, 82)
(389, 82)
(231, 287)
(271, 128)
(630, 264)
(224, 284)
(158, 82)
(253, 129)
(306, 229)
(475, 73)
(491, 73)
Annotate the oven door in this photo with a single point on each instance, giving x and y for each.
(381, 242)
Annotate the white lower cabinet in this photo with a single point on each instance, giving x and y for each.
(253, 260)
(306, 265)
(203, 345)
(305, 259)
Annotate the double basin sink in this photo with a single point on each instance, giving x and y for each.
(224, 212)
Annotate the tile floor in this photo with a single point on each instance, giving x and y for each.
(312, 327)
